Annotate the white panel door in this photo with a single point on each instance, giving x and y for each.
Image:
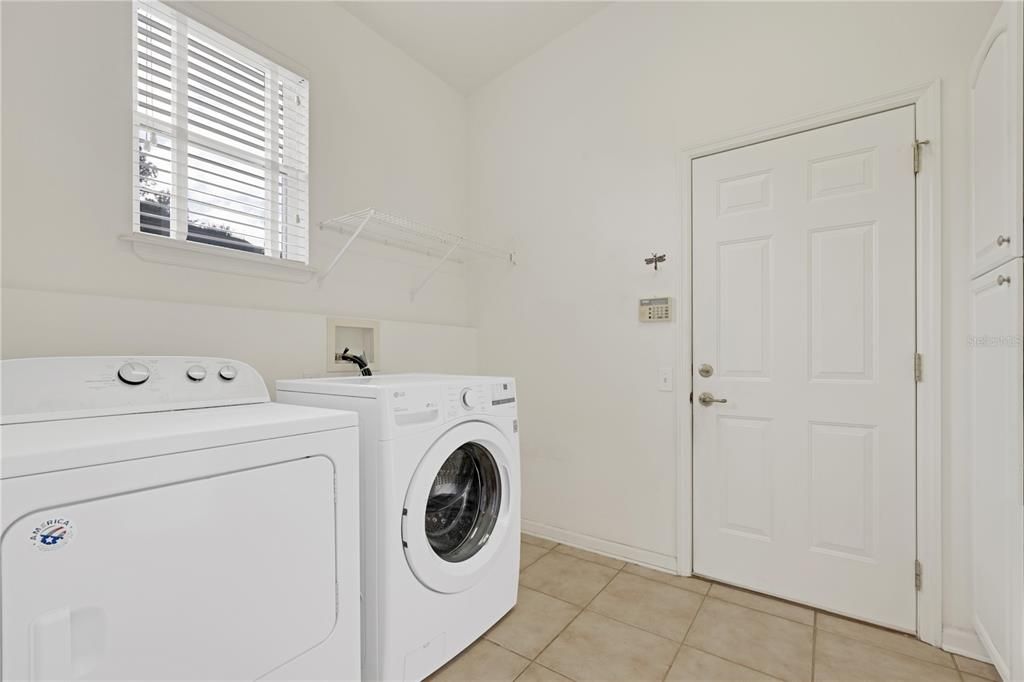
(996, 139)
(997, 326)
(803, 308)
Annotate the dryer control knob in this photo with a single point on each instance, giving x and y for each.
(469, 398)
(133, 373)
(196, 372)
(227, 372)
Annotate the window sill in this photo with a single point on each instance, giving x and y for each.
(187, 254)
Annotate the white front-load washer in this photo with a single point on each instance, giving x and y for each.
(162, 519)
(441, 494)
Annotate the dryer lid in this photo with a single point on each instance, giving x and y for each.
(41, 447)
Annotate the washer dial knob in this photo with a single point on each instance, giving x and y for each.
(469, 398)
(133, 373)
(196, 372)
(228, 373)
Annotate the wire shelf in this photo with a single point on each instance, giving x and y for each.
(402, 233)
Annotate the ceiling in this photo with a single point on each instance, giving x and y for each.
(469, 43)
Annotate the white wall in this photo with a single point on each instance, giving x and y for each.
(384, 132)
(281, 345)
(574, 155)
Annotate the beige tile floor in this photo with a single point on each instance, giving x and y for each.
(583, 616)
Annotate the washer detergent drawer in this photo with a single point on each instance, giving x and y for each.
(224, 577)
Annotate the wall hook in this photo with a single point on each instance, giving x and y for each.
(655, 259)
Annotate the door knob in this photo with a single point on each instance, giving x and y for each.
(706, 399)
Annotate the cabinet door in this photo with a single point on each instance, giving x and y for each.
(998, 472)
(996, 156)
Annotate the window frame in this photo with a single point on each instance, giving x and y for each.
(286, 238)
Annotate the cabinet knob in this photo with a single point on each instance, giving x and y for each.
(1002, 240)
(1001, 280)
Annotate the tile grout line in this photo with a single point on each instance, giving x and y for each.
(668, 584)
(553, 639)
(573, 556)
(613, 618)
(547, 550)
(712, 582)
(530, 661)
(720, 656)
(956, 666)
(891, 652)
(784, 602)
(682, 642)
(881, 647)
(730, 660)
(539, 665)
(562, 599)
(814, 641)
(590, 561)
(703, 596)
(639, 627)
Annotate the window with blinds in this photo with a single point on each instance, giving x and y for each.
(221, 139)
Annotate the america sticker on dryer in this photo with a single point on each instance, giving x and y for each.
(53, 533)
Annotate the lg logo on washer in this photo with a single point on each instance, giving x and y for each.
(52, 534)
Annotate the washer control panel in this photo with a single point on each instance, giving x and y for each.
(41, 389)
(470, 399)
(428, 402)
(485, 398)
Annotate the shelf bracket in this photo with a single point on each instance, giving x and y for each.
(418, 287)
(320, 279)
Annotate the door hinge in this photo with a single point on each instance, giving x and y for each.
(918, 367)
(917, 575)
(917, 154)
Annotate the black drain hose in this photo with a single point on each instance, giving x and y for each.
(359, 361)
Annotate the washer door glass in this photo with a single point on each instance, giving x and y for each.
(463, 504)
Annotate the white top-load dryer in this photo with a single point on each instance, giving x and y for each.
(163, 520)
(441, 493)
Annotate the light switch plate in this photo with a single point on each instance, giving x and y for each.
(665, 382)
(656, 309)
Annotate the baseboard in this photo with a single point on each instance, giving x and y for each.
(606, 547)
(963, 642)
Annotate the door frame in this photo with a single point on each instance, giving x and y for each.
(926, 99)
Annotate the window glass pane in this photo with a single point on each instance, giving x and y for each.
(153, 182)
(230, 214)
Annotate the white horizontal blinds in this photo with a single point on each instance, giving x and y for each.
(222, 140)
